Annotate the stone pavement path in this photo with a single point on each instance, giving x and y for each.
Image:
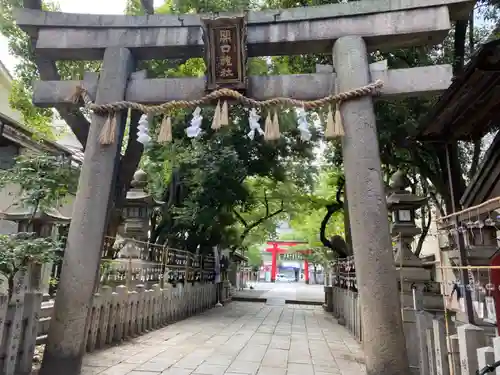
(241, 338)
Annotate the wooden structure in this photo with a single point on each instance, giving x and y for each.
(346, 30)
(468, 349)
(116, 315)
(14, 137)
(485, 184)
(42, 222)
(226, 54)
(468, 108)
(467, 111)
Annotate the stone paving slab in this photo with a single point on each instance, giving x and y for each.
(241, 338)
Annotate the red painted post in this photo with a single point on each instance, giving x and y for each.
(275, 250)
(306, 271)
(273, 264)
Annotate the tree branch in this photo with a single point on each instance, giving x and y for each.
(256, 223)
(266, 202)
(475, 158)
(459, 46)
(240, 218)
(331, 209)
(127, 166)
(130, 160)
(426, 224)
(438, 204)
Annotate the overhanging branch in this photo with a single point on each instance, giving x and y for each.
(240, 218)
(255, 224)
(331, 209)
(426, 224)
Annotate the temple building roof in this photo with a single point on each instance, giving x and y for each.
(485, 184)
(469, 108)
(18, 213)
(239, 257)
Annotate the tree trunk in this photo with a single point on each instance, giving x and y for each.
(347, 225)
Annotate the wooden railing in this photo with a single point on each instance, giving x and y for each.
(117, 313)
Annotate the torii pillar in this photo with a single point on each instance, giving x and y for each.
(306, 271)
(383, 338)
(274, 250)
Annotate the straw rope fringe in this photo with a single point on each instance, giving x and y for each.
(80, 92)
(221, 117)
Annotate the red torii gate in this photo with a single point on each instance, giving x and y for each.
(275, 250)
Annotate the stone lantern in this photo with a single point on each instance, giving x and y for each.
(403, 204)
(413, 277)
(43, 222)
(138, 208)
(47, 222)
(141, 259)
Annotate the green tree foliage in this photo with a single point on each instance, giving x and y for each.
(224, 188)
(44, 180)
(307, 219)
(254, 257)
(21, 250)
(224, 185)
(21, 45)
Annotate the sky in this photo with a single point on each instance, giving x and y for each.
(72, 6)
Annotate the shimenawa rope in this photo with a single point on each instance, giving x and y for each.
(333, 128)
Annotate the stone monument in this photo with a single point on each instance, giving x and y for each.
(418, 291)
(142, 259)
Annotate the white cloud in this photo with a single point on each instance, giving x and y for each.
(72, 6)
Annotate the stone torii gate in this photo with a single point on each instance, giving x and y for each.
(349, 31)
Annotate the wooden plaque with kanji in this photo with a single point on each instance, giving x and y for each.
(225, 43)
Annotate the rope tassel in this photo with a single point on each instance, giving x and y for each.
(330, 124)
(268, 131)
(216, 122)
(334, 127)
(165, 134)
(224, 114)
(108, 131)
(276, 126)
(339, 126)
(272, 127)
